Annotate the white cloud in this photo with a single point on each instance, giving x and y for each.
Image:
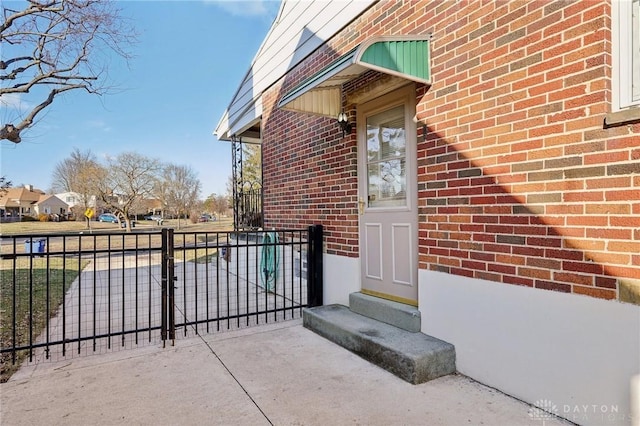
(247, 7)
(99, 124)
(14, 101)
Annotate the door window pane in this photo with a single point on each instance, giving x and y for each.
(626, 53)
(635, 50)
(386, 159)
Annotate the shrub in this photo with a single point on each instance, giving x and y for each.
(43, 217)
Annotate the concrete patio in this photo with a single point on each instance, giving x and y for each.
(272, 374)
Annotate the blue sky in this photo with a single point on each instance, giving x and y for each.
(189, 61)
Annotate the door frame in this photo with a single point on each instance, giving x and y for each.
(406, 96)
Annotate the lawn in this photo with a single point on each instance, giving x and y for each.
(107, 235)
(40, 228)
(34, 278)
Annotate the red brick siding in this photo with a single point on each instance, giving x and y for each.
(518, 180)
(310, 177)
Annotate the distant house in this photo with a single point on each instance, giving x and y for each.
(76, 203)
(478, 160)
(29, 201)
(153, 206)
(19, 202)
(74, 199)
(51, 204)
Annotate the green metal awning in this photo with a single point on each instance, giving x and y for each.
(404, 56)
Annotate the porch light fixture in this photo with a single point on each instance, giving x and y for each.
(343, 122)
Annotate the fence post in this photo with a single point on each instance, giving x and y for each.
(314, 266)
(164, 270)
(168, 326)
(171, 273)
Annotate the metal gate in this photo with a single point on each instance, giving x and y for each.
(67, 295)
(258, 277)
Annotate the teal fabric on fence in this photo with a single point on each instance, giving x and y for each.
(269, 261)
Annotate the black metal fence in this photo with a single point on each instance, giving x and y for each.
(71, 294)
(247, 209)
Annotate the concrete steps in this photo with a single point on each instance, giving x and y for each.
(399, 315)
(384, 339)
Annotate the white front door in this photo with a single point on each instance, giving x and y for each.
(387, 170)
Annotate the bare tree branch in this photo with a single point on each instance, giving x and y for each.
(5, 64)
(125, 182)
(9, 20)
(178, 188)
(4, 185)
(12, 133)
(63, 44)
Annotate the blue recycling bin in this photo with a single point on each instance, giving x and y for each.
(34, 246)
(225, 253)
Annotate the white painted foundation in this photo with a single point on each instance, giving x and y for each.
(575, 353)
(341, 277)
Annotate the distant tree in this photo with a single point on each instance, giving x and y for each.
(217, 204)
(50, 47)
(4, 185)
(160, 192)
(181, 189)
(76, 174)
(208, 203)
(252, 163)
(65, 172)
(196, 209)
(221, 205)
(246, 182)
(250, 176)
(229, 186)
(125, 181)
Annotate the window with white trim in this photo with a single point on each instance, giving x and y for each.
(626, 53)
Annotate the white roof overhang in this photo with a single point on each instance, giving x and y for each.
(300, 28)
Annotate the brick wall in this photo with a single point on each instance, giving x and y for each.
(518, 180)
(310, 176)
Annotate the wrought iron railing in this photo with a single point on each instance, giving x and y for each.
(248, 207)
(72, 294)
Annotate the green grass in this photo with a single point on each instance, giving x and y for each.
(30, 297)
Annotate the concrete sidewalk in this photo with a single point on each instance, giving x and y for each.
(280, 374)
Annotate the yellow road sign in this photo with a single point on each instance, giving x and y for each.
(89, 213)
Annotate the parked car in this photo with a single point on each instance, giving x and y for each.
(207, 218)
(108, 217)
(155, 217)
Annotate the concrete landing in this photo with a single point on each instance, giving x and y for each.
(275, 374)
(397, 314)
(414, 357)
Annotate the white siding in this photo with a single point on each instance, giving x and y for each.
(578, 353)
(302, 27)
